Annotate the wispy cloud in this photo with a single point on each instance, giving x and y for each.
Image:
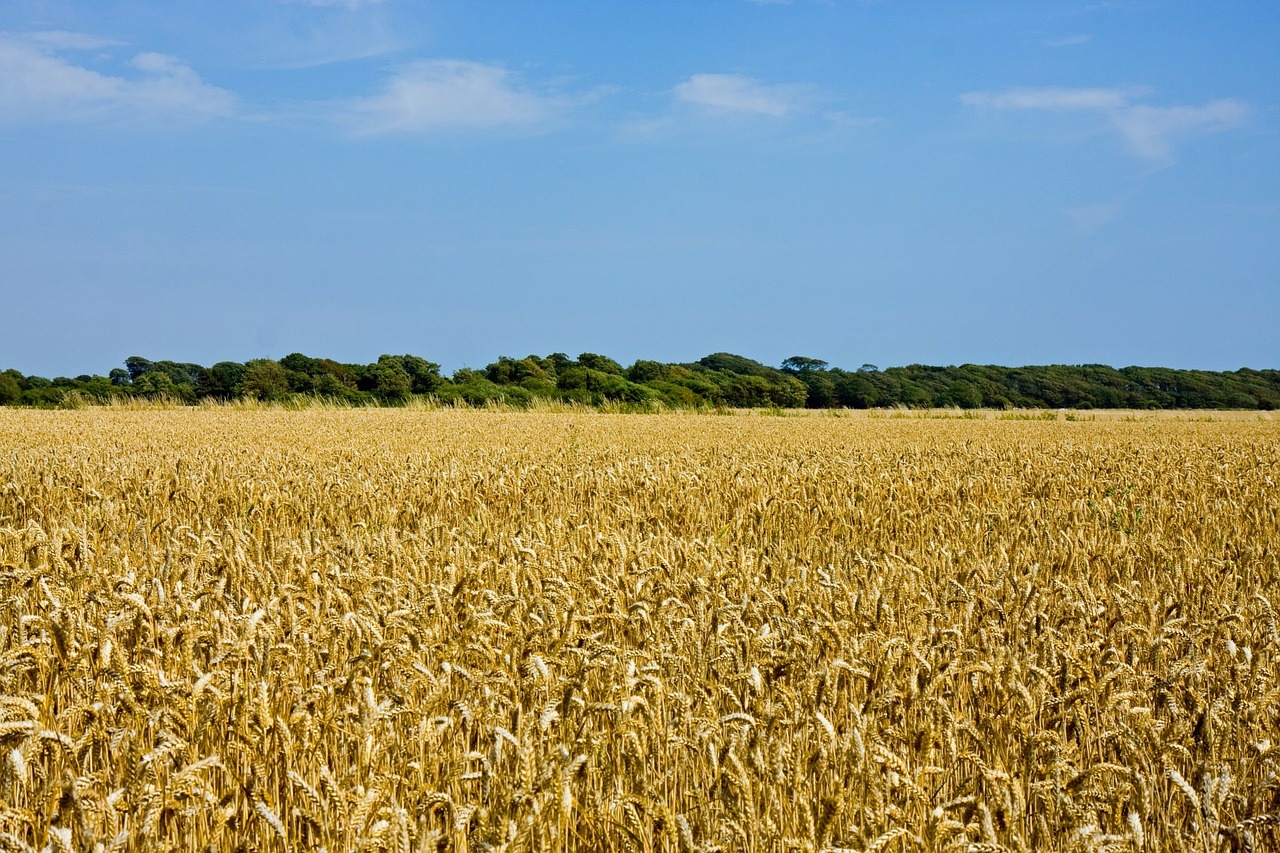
(1069, 41)
(714, 103)
(448, 94)
(63, 40)
(1052, 98)
(733, 93)
(1090, 217)
(1149, 131)
(345, 4)
(38, 83)
(328, 42)
(312, 33)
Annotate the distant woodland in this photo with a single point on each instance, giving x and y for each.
(719, 380)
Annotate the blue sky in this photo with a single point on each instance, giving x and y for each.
(885, 182)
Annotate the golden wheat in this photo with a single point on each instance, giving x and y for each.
(426, 629)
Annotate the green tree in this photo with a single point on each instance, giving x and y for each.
(156, 384)
(502, 371)
(328, 372)
(802, 364)
(300, 370)
(392, 382)
(604, 364)
(226, 380)
(10, 390)
(853, 390)
(727, 362)
(648, 371)
(136, 365)
(821, 389)
(963, 394)
(424, 376)
(264, 379)
(789, 393)
(572, 378)
(299, 363)
(328, 385)
(558, 363)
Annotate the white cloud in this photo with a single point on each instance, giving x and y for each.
(1149, 131)
(38, 84)
(449, 94)
(733, 93)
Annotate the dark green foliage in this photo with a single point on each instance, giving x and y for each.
(557, 362)
(855, 390)
(10, 389)
(648, 371)
(725, 362)
(158, 379)
(475, 389)
(391, 381)
(604, 364)
(820, 389)
(509, 371)
(596, 386)
(720, 379)
(803, 364)
(226, 379)
(136, 365)
(265, 379)
(424, 376)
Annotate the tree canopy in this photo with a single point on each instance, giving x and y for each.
(718, 380)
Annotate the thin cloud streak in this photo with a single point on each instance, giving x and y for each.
(63, 40)
(328, 46)
(1052, 98)
(344, 4)
(1148, 131)
(1070, 41)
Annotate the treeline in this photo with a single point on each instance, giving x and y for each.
(719, 380)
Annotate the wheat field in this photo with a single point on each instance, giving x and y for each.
(406, 630)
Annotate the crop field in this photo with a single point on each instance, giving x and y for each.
(404, 630)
